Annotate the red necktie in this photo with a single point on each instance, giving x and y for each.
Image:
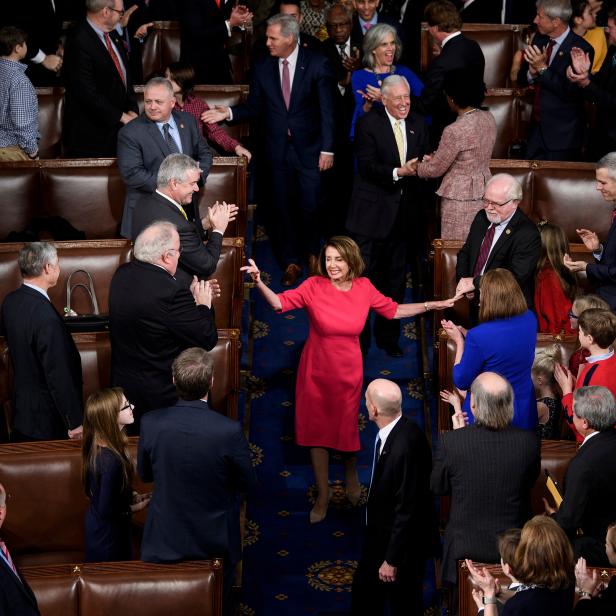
(536, 99)
(286, 83)
(484, 251)
(367, 27)
(7, 556)
(218, 3)
(114, 57)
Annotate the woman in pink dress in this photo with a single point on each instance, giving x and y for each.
(330, 374)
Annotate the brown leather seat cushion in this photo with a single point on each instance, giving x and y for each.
(20, 184)
(50, 117)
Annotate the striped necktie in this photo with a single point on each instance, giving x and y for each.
(7, 557)
(399, 140)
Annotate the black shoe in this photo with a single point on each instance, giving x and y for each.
(393, 350)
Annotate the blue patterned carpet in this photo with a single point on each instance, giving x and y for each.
(290, 566)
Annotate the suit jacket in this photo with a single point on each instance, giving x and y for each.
(517, 249)
(310, 117)
(458, 53)
(590, 488)
(47, 396)
(199, 460)
(489, 475)
(376, 197)
(482, 12)
(142, 149)
(39, 19)
(561, 102)
(16, 596)
(153, 318)
(197, 259)
(96, 97)
(400, 501)
(357, 32)
(602, 273)
(204, 37)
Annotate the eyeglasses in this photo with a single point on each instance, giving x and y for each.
(488, 203)
(128, 405)
(120, 13)
(571, 315)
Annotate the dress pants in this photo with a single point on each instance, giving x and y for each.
(538, 150)
(295, 196)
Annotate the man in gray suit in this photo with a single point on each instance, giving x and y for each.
(147, 141)
(488, 468)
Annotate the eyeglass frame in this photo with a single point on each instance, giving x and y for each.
(129, 405)
(487, 202)
(121, 13)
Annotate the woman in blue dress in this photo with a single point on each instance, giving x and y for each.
(381, 48)
(107, 471)
(503, 342)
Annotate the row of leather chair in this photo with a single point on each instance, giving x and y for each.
(141, 589)
(51, 113)
(89, 194)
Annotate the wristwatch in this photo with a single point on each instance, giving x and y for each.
(489, 600)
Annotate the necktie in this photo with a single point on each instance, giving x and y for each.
(613, 216)
(171, 144)
(537, 96)
(7, 556)
(183, 212)
(375, 459)
(399, 140)
(114, 57)
(367, 27)
(343, 53)
(484, 251)
(286, 83)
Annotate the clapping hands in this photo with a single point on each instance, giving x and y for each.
(204, 291)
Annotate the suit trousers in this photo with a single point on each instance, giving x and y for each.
(295, 195)
(537, 149)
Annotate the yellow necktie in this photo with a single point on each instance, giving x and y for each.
(399, 141)
(183, 212)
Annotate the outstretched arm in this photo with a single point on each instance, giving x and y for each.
(270, 297)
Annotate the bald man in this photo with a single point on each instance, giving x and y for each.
(401, 531)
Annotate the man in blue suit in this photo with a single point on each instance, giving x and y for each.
(198, 460)
(602, 273)
(292, 91)
(147, 141)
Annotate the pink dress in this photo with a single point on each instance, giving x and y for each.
(330, 374)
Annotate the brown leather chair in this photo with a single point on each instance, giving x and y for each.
(20, 184)
(190, 588)
(50, 117)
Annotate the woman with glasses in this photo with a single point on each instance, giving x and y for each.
(107, 472)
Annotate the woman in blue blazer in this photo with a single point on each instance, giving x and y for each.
(503, 342)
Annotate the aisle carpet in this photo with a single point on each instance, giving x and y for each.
(292, 567)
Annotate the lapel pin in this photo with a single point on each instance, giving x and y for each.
(412, 132)
(181, 125)
(560, 53)
(507, 231)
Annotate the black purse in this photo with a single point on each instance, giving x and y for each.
(94, 322)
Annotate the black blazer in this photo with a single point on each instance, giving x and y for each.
(517, 249)
(197, 259)
(602, 273)
(96, 96)
(310, 117)
(16, 597)
(376, 197)
(141, 151)
(153, 318)
(204, 37)
(357, 32)
(47, 396)
(401, 522)
(458, 53)
(590, 488)
(489, 475)
(199, 460)
(561, 102)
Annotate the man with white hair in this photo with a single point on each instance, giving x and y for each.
(153, 318)
(501, 235)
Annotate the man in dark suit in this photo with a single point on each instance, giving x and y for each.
(146, 142)
(177, 180)
(99, 90)
(488, 468)
(481, 11)
(199, 461)
(457, 52)
(401, 530)
(589, 500)
(599, 88)
(557, 127)
(602, 273)
(16, 597)
(343, 53)
(47, 396)
(205, 28)
(293, 92)
(153, 318)
(500, 236)
(366, 16)
(387, 141)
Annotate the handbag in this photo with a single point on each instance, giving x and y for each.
(94, 322)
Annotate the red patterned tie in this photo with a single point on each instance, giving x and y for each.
(537, 97)
(7, 556)
(114, 57)
(484, 251)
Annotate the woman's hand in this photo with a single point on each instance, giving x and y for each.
(483, 579)
(140, 501)
(458, 419)
(442, 303)
(252, 270)
(453, 331)
(564, 378)
(584, 580)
